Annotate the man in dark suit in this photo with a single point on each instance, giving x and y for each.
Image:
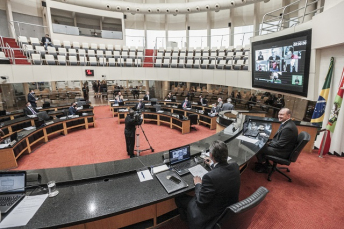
(147, 96)
(72, 109)
(251, 102)
(228, 106)
(129, 132)
(46, 41)
(282, 143)
(140, 106)
(186, 103)
(30, 110)
(31, 98)
(217, 190)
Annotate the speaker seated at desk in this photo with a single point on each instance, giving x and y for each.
(147, 96)
(139, 106)
(72, 109)
(29, 110)
(186, 103)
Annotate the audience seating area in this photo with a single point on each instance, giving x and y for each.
(74, 53)
(207, 58)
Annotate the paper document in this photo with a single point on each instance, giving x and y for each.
(24, 211)
(144, 175)
(3, 146)
(159, 169)
(198, 171)
(30, 128)
(247, 139)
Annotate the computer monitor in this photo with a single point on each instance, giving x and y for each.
(173, 100)
(145, 98)
(181, 116)
(2, 112)
(157, 108)
(199, 103)
(120, 103)
(46, 105)
(13, 182)
(43, 115)
(14, 136)
(179, 154)
(86, 106)
(153, 103)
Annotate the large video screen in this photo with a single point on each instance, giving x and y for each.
(282, 63)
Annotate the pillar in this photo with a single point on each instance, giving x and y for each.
(208, 29)
(10, 19)
(256, 19)
(165, 88)
(53, 85)
(209, 87)
(231, 30)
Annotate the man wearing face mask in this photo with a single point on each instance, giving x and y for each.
(72, 110)
(30, 110)
(31, 98)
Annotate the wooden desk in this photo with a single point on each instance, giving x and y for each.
(160, 118)
(10, 155)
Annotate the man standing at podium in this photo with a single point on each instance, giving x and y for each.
(129, 131)
(217, 190)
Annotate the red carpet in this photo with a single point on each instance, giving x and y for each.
(103, 143)
(314, 199)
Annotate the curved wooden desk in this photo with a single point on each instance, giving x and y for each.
(161, 118)
(27, 138)
(110, 195)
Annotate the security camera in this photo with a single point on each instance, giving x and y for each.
(149, 10)
(217, 6)
(207, 7)
(232, 3)
(197, 8)
(128, 8)
(167, 11)
(4, 77)
(188, 9)
(118, 8)
(108, 6)
(157, 10)
(137, 10)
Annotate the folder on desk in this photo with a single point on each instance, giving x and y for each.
(168, 183)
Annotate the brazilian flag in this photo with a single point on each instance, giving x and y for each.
(319, 111)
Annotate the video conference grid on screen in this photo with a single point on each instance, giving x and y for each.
(282, 64)
(179, 154)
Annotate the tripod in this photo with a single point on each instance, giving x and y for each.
(138, 142)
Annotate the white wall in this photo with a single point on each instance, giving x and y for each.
(84, 10)
(34, 73)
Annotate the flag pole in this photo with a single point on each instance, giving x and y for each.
(323, 145)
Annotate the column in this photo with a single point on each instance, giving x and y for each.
(53, 86)
(10, 19)
(256, 19)
(209, 29)
(209, 87)
(231, 30)
(165, 88)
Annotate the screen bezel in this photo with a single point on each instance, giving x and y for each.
(308, 34)
(171, 150)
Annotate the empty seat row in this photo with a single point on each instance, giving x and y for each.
(205, 55)
(22, 40)
(212, 51)
(91, 61)
(28, 50)
(205, 64)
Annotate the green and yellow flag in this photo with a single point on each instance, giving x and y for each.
(319, 111)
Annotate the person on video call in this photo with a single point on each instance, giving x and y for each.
(260, 57)
(291, 60)
(217, 190)
(274, 60)
(129, 131)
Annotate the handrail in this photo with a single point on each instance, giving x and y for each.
(280, 19)
(10, 53)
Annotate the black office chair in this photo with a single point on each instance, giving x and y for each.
(302, 140)
(239, 215)
(193, 120)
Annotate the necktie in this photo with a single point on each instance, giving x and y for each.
(184, 104)
(32, 111)
(138, 106)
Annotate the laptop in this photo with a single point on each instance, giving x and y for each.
(180, 159)
(86, 106)
(12, 189)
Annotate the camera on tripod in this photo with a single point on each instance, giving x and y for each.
(137, 116)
